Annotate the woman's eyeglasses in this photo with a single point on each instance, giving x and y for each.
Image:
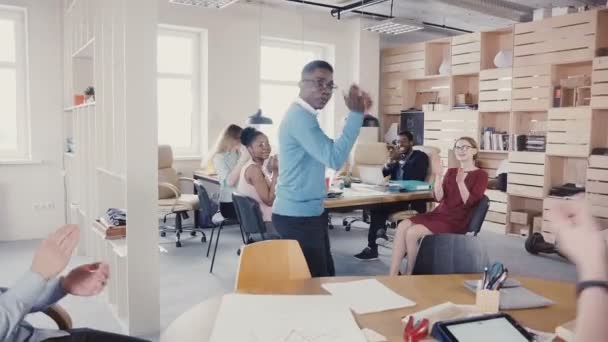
(463, 148)
(322, 85)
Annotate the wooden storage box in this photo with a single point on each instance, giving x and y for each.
(532, 88)
(560, 40)
(466, 54)
(495, 90)
(407, 60)
(391, 98)
(548, 229)
(599, 86)
(597, 188)
(569, 132)
(496, 218)
(526, 176)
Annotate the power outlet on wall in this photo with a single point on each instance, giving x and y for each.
(44, 205)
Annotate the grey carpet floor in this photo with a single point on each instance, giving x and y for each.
(186, 280)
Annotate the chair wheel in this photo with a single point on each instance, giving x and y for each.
(347, 228)
(331, 226)
(163, 234)
(203, 239)
(344, 222)
(238, 252)
(192, 233)
(178, 244)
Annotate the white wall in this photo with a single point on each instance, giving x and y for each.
(234, 54)
(22, 186)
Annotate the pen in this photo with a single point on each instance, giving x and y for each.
(485, 278)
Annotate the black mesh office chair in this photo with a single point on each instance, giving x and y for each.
(250, 221)
(479, 215)
(450, 254)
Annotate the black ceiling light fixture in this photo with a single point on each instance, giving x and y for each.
(259, 119)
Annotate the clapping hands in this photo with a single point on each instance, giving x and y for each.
(357, 100)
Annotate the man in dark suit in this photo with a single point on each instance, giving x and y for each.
(404, 164)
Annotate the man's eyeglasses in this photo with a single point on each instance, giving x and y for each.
(463, 148)
(322, 85)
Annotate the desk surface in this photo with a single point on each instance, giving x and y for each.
(197, 323)
(359, 195)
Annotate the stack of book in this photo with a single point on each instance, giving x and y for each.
(494, 140)
(113, 225)
(536, 143)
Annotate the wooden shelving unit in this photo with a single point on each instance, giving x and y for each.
(516, 100)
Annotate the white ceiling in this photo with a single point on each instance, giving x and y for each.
(470, 15)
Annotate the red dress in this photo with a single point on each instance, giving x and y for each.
(453, 216)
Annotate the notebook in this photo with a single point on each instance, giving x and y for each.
(371, 175)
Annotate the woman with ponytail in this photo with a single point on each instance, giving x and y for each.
(458, 192)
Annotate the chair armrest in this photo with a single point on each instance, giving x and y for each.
(188, 179)
(171, 187)
(60, 316)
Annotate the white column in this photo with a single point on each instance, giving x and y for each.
(367, 60)
(141, 18)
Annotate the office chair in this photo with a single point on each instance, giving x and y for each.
(479, 215)
(450, 254)
(366, 154)
(250, 221)
(171, 201)
(270, 262)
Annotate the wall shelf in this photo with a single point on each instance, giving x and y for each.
(84, 105)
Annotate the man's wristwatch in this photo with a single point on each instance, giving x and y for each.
(583, 285)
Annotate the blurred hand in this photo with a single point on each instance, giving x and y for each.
(579, 236)
(357, 99)
(395, 153)
(274, 166)
(55, 252)
(460, 176)
(367, 102)
(86, 280)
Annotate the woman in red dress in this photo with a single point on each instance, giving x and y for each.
(458, 194)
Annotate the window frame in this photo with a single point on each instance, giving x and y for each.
(197, 77)
(322, 51)
(21, 66)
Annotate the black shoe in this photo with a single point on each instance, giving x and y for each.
(367, 254)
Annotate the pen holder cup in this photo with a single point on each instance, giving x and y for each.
(487, 301)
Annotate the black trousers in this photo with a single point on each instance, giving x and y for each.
(379, 215)
(227, 210)
(312, 234)
(90, 335)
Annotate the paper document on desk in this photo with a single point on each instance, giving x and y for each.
(284, 318)
(367, 296)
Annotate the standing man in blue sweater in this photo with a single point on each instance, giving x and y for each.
(305, 152)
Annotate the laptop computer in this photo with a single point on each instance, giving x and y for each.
(371, 175)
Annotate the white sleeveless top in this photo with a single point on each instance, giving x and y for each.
(248, 190)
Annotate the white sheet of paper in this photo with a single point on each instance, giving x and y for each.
(367, 296)
(373, 336)
(284, 318)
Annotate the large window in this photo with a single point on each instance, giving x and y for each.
(14, 125)
(179, 90)
(280, 67)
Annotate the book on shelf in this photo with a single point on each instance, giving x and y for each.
(113, 225)
(493, 140)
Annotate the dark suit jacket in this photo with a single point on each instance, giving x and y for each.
(415, 167)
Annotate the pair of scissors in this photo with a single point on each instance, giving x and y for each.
(497, 274)
(415, 331)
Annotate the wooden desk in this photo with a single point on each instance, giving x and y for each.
(197, 323)
(353, 198)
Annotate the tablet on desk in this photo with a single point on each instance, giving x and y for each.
(497, 328)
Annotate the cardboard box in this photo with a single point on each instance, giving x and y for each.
(522, 217)
(537, 224)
